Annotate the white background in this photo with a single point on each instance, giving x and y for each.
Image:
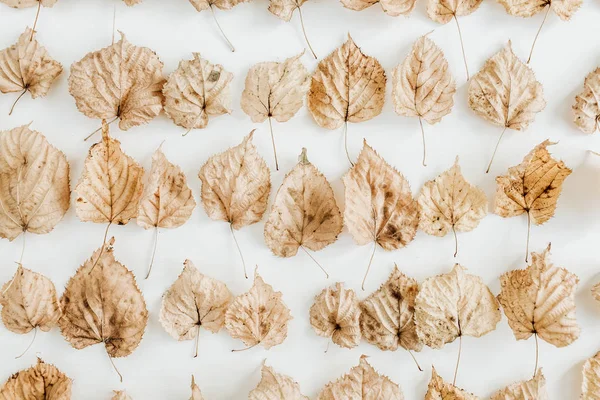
(161, 367)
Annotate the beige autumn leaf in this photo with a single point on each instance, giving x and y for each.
(362, 383)
(196, 393)
(596, 291)
(304, 212)
(563, 8)
(102, 304)
(192, 302)
(379, 204)
(438, 389)
(540, 300)
(422, 85)
(387, 315)
(533, 389)
(335, 314)
(274, 386)
(275, 90)
(26, 66)
(132, 2)
(42, 381)
(532, 187)
(347, 86)
(121, 81)
(34, 183)
(590, 386)
(259, 316)
(450, 203)
(28, 3)
(284, 9)
(393, 8)
(453, 305)
(587, 104)
(195, 91)
(236, 186)
(121, 394)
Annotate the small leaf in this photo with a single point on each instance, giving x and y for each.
(274, 386)
(438, 389)
(196, 394)
(121, 394)
(590, 387)
(393, 8)
(587, 104)
(533, 389)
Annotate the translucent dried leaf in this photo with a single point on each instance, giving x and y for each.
(284, 9)
(274, 386)
(236, 185)
(304, 212)
(121, 394)
(533, 389)
(29, 301)
(442, 11)
(379, 203)
(362, 383)
(196, 394)
(590, 387)
(27, 66)
(541, 300)
(452, 305)
(422, 85)
(387, 315)
(102, 304)
(195, 91)
(258, 316)
(563, 8)
(347, 86)
(335, 314)
(438, 389)
(168, 200)
(393, 8)
(119, 81)
(587, 104)
(532, 187)
(28, 3)
(505, 91)
(42, 381)
(110, 187)
(202, 5)
(34, 183)
(192, 302)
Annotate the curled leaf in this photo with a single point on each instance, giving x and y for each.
(393, 8)
(587, 104)
(274, 386)
(42, 381)
(590, 387)
(533, 389)
(196, 393)
(439, 389)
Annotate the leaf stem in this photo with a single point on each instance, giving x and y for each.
(99, 129)
(115, 367)
(244, 349)
(197, 341)
(37, 15)
(221, 29)
(304, 31)
(528, 230)
(369, 266)
(415, 360)
(273, 142)
(316, 262)
(30, 344)
(495, 150)
(346, 142)
(102, 249)
(16, 101)
(537, 354)
(538, 32)
(424, 148)
(22, 249)
(455, 241)
(458, 359)
(462, 47)
(153, 251)
(239, 250)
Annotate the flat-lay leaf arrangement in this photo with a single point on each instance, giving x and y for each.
(124, 83)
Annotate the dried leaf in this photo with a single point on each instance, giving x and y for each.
(192, 302)
(335, 314)
(29, 301)
(563, 8)
(387, 315)
(450, 203)
(196, 90)
(110, 187)
(540, 300)
(121, 394)
(304, 212)
(28, 3)
(596, 291)
(102, 304)
(442, 11)
(362, 383)
(393, 8)
(202, 5)
(438, 389)
(590, 387)
(587, 104)
(34, 183)
(121, 81)
(196, 394)
(132, 2)
(258, 316)
(274, 386)
(533, 389)
(452, 305)
(42, 381)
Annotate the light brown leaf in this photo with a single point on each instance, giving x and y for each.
(258, 316)
(393, 8)
(362, 383)
(541, 300)
(533, 389)
(110, 187)
(192, 302)
(304, 212)
(442, 11)
(505, 91)
(102, 304)
(195, 91)
(121, 394)
(335, 314)
(119, 81)
(202, 5)
(274, 386)
(26, 66)
(596, 291)
(590, 387)
(29, 301)
(42, 381)
(587, 104)
(452, 305)
(450, 203)
(132, 2)
(438, 389)
(196, 394)
(28, 3)
(563, 8)
(284, 9)
(387, 315)
(34, 183)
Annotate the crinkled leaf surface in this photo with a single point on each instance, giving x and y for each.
(587, 104)
(439, 389)
(274, 386)
(563, 8)
(42, 381)
(590, 387)
(533, 389)
(442, 11)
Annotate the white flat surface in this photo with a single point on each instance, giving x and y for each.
(161, 367)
